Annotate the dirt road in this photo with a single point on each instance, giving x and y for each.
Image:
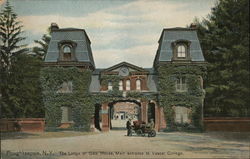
(116, 144)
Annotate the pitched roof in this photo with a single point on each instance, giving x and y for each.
(125, 64)
(79, 36)
(170, 35)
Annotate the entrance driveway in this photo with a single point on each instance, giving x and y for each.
(115, 144)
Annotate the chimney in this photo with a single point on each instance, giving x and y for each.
(53, 27)
(193, 26)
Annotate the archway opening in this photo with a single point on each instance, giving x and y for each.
(151, 111)
(121, 111)
(97, 116)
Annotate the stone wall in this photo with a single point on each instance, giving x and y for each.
(22, 124)
(227, 124)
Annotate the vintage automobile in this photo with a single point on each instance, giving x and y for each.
(140, 128)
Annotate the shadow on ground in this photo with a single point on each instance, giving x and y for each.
(16, 135)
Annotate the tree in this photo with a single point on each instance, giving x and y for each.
(41, 50)
(10, 33)
(10, 37)
(224, 39)
(19, 80)
(26, 93)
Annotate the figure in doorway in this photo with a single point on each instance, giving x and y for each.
(128, 126)
(151, 125)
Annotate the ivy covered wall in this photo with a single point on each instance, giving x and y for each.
(82, 102)
(79, 100)
(192, 98)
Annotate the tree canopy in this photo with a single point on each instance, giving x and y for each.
(19, 79)
(10, 33)
(43, 45)
(224, 36)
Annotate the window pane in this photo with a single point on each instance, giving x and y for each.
(181, 51)
(128, 85)
(178, 80)
(183, 54)
(178, 86)
(181, 114)
(120, 85)
(110, 86)
(70, 88)
(138, 84)
(66, 49)
(183, 83)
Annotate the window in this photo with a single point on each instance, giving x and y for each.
(66, 114)
(120, 85)
(138, 84)
(181, 84)
(181, 51)
(181, 114)
(128, 85)
(66, 87)
(66, 49)
(67, 53)
(110, 87)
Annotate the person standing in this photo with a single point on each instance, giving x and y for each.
(151, 124)
(128, 126)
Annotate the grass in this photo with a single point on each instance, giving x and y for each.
(35, 135)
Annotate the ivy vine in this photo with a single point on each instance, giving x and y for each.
(192, 98)
(79, 100)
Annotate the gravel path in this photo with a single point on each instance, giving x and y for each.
(116, 144)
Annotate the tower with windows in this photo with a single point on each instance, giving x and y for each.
(179, 61)
(68, 47)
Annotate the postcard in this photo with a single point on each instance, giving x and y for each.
(124, 79)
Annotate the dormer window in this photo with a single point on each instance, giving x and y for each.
(67, 50)
(181, 51)
(67, 54)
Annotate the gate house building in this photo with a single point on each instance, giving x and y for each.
(71, 47)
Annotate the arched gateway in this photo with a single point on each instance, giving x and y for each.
(123, 80)
(106, 118)
(78, 94)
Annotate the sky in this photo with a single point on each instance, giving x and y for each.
(119, 30)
